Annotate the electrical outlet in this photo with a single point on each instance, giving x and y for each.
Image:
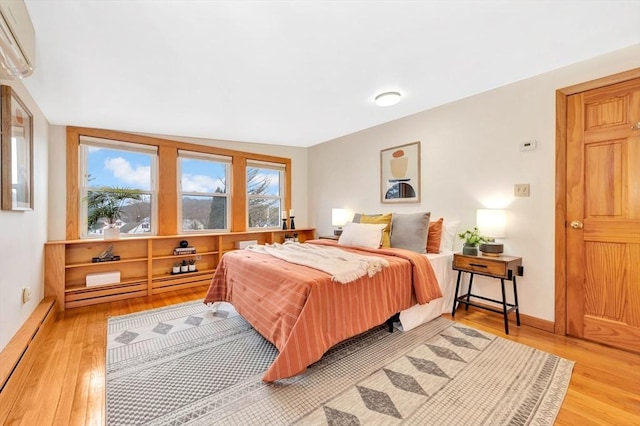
(26, 294)
(521, 190)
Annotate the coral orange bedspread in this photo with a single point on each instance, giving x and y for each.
(303, 313)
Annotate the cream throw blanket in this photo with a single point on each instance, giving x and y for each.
(343, 266)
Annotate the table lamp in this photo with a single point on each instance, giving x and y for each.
(338, 218)
(492, 224)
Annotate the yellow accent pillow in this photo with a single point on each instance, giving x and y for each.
(380, 219)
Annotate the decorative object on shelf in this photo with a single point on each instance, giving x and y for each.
(291, 216)
(106, 255)
(338, 218)
(492, 223)
(184, 250)
(471, 240)
(184, 244)
(105, 205)
(400, 174)
(288, 238)
(284, 220)
(17, 152)
(184, 267)
(295, 237)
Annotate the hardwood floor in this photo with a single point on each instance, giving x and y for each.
(62, 382)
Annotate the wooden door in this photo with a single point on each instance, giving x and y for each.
(603, 215)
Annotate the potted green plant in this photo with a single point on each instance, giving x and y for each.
(472, 239)
(105, 205)
(176, 268)
(184, 267)
(192, 265)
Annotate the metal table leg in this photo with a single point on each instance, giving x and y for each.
(504, 308)
(455, 295)
(515, 299)
(466, 308)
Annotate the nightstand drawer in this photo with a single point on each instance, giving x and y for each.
(499, 267)
(480, 265)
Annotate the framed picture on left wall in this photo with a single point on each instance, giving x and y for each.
(16, 152)
(400, 174)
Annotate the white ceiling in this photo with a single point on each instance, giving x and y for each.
(297, 72)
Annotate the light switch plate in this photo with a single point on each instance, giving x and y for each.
(521, 190)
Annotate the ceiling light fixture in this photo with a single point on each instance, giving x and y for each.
(387, 98)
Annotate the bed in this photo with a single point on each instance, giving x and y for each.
(304, 313)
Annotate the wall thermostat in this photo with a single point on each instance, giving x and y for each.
(528, 145)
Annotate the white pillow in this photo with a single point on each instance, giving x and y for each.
(367, 235)
(449, 229)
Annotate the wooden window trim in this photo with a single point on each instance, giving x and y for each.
(168, 178)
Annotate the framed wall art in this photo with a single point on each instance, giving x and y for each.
(16, 152)
(400, 174)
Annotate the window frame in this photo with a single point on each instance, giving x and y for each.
(227, 194)
(281, 168)
(83, 150)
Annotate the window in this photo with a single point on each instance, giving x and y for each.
(204, 191)
(107, 163)
(175, 178)
(265, 194)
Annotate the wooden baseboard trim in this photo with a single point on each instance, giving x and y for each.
(34, 327)
(527, 320)
(538, 323)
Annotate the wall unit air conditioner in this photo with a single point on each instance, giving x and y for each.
(17, 40)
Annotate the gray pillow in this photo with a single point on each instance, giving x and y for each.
(410, 231)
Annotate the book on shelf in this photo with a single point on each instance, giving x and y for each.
(184, 250)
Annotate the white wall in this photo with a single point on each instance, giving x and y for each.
(57, 188)
(23, 234)
(470, 160)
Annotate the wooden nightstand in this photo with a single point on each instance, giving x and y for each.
(501, 267)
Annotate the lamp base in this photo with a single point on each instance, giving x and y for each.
(492, 249)
(337, 232)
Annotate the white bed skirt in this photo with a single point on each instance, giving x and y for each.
(419, 314)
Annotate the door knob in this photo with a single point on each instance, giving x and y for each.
(576, 224)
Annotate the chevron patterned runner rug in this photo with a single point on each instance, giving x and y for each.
(184, 365)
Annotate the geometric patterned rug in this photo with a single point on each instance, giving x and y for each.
(186, 365)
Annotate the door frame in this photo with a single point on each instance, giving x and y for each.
(560, 323)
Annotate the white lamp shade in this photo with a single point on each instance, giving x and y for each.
(492, 223)
(339, 217)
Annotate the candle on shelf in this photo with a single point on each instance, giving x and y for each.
(291, 213)
(284, 214)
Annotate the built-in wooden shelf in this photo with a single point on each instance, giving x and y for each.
(145, 264)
